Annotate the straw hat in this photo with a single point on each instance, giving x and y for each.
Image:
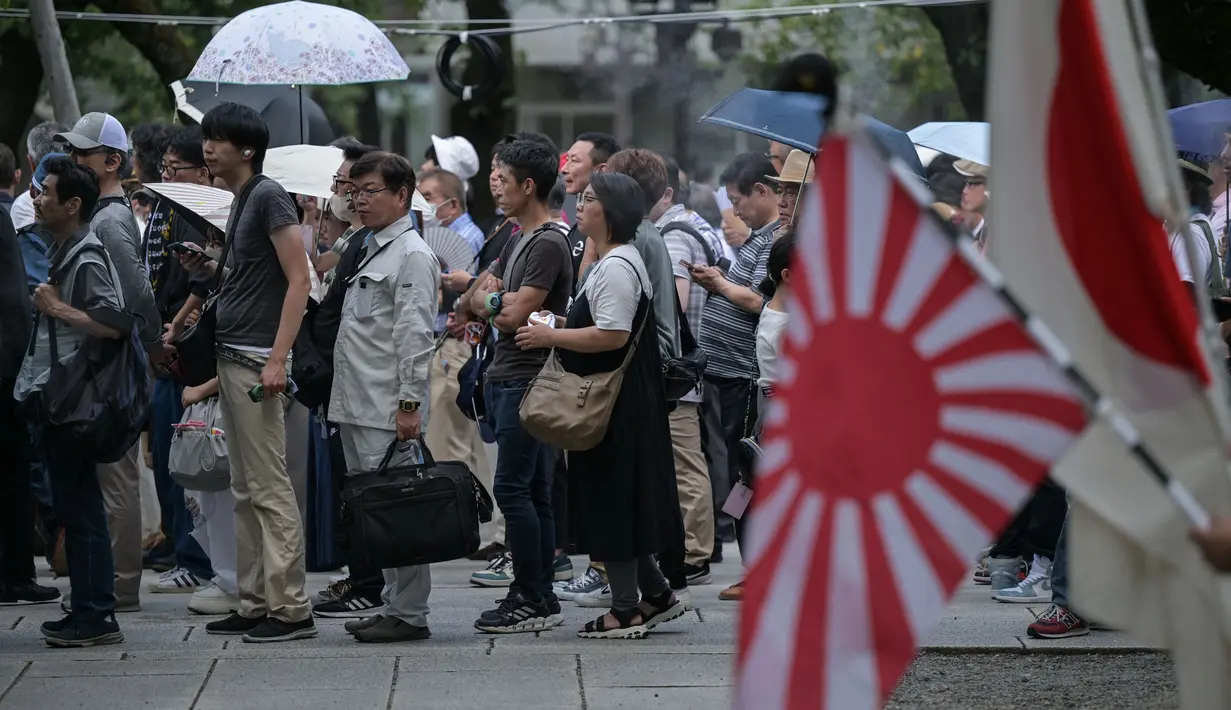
(1197, 170)
(970, 168)
(797, 165)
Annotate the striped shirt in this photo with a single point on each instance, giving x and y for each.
(728, 332)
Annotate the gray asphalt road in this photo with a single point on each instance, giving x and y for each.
(1019, 680)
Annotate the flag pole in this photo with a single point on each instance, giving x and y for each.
(1098, 403)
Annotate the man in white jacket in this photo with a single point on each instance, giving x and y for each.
(381, 361)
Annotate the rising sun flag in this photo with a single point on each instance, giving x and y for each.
(916, 416)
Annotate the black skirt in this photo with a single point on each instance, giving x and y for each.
(622, 493)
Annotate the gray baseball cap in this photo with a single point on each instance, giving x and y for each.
(95, 130)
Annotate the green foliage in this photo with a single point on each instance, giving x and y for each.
(892, 59)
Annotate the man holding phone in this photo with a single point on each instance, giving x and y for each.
(186, 567)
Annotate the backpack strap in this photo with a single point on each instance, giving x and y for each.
(682, 226)
(1215, 278)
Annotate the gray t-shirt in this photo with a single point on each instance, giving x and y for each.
(614, 288)
(657, 260)
(546, 263)
(117, 229)
(250, 300)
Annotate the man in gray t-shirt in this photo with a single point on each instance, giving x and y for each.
(250, 300)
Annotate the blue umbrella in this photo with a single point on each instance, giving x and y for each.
(793, 119)
(1199, 129)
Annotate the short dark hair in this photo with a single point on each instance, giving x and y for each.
(947, 186)
(534, 137)
(622, 200)
(186, 144)
(605, 146)
(73, 180)
(779, 258)
(532, 160)
(450, 184)
(8, 167)
(647, 168)
(394, 170)
(678, 196)
(148, 144)
(555, 199)
(239, 125)
(1197, 189)
(747, 170)
(353, 149)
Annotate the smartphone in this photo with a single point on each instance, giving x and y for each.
(686, 265)
(186, 250)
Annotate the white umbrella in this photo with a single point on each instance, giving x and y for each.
(208, 203)
(298, 43)
(304, 169)
(966, 141)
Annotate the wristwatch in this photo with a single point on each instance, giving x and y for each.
(407, 405)
(495, 301)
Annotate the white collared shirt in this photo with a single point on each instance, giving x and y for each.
(385, 340)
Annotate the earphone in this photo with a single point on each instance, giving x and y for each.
(247, 153)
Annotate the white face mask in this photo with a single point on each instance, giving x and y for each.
(431, 217)
(340, 206)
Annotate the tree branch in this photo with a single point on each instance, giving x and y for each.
(964, 29)
(162, 46)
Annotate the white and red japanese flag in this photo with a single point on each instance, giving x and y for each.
(913, 418)
(1085, 170)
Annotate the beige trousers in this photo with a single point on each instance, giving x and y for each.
(268, 528)
(450, 435)
(121, 486)
(692, 479)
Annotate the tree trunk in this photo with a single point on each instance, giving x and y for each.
(485, 121)
(55, 61)
(963, 30)
(20, 89)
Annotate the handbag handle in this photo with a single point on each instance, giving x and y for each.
(393, 445)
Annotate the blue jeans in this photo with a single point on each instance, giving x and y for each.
(1060, 570)
(78, 503)
(523, 492)
(176, 520)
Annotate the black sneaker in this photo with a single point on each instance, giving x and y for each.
(161, 557)
(233, 625)
(356, 603)
(716, 557)
(697, 574)
(31, 593)
(82, 634)
(515, 615)
(273, 630)
(55, 627)
(556, 614)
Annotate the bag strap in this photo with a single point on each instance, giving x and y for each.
(628, 356)
(688, 343)
(350, 280)
(231, 229)
(1215, 267)
(523, 245)
(682, 226)
(393, 446)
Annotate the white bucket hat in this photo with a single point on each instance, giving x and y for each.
(456, 155)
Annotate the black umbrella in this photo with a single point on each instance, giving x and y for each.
(280, 106)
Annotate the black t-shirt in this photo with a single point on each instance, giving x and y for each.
(577, 242)
(250, 300)
(545, 264)
(172, 283)
(493, 246)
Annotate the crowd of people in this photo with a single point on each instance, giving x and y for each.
(633, 278)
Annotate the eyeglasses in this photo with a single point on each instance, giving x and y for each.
(976, 183)
(339, 180)
(172, 170)
(356, 194)
(586, 198)
(85, 152)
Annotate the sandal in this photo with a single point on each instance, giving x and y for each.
(667, 607)
(597, 629)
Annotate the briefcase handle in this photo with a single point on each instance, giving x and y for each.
(428, 461)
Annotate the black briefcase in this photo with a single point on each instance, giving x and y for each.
(413, 514)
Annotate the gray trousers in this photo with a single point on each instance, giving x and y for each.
(630, 578)
(406, 588)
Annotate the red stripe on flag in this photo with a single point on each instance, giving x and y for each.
(953, 282)
(891, 636)
(835, 178)
(1117, 247)
(904, 216)
(807, 678)
(759, 576)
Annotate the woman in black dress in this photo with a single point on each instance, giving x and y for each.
(623, 490)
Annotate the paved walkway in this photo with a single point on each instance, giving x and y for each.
(168, 661)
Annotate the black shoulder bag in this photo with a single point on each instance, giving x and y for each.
(413, 514)
(684, 374)
(197, 362)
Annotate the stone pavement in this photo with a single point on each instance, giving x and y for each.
(168, 661)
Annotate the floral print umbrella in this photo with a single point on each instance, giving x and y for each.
(299, 43)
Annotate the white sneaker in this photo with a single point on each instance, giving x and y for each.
(212, 600)
(177, 581)
(598, 599)
(685, 597)
(574, 588)
(1035, 588)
